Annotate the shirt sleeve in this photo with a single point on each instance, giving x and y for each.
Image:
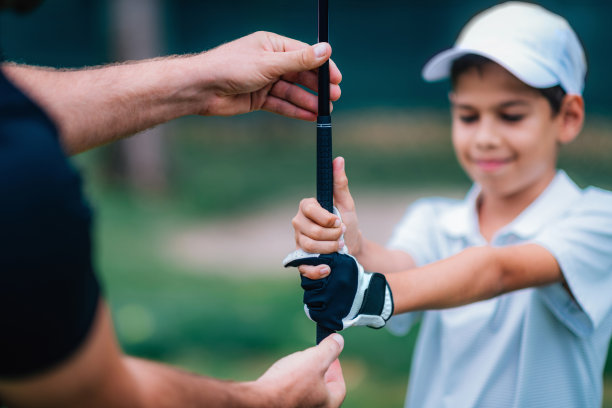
(416, 232)
(48, 291)
(581, 243)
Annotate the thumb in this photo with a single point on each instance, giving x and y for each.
(329, 349)
(304, 59)
(342, 196)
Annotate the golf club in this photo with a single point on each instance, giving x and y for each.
(325, 175)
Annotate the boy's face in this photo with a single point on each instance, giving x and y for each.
(504, 133)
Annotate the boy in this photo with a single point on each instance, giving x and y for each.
(512, 285)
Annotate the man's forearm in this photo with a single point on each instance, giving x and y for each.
(95, 106)
(475, 274)
(166, 387)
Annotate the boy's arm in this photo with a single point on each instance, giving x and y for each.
(98, 375)
(474, 274)
(95, 106)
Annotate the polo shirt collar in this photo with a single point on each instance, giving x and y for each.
(561, 193)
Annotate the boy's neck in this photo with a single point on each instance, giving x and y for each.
(495, 211)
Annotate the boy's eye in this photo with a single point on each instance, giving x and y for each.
(512, 118)
(468, 118)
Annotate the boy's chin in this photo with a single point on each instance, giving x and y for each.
(20, 6)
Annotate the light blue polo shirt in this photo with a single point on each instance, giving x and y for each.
(536, 347)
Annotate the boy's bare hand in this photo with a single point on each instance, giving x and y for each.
(318, 231)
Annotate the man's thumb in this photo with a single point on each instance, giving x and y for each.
(306, 58)
(342, 196)
(330, 348)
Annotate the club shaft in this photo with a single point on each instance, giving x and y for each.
(324, 69)
(325, 175)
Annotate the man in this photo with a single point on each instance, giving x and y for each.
(57, 347)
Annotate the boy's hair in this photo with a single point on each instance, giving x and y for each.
(554, 95)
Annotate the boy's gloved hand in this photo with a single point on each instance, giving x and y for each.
(348, 296)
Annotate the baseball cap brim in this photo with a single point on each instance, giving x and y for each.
(523, 65)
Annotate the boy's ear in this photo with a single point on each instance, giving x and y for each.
(571, 118)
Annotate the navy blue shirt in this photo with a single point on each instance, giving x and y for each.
(48, 290)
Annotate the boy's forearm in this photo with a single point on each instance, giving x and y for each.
(95, 106)
(475, 274)
(375, 257)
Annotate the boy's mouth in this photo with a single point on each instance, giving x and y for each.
(489, 165)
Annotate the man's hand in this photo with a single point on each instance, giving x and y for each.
(263, 71)
(309, 378)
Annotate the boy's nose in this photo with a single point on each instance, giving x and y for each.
(486, 135)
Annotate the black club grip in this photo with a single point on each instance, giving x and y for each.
(325, 175)
(323, 332)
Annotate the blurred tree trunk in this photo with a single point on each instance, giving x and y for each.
(137, 34)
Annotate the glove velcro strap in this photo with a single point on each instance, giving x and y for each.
(374, 296)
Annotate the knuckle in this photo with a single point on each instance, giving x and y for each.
(307, 244)
(304, 202)
(304, 60)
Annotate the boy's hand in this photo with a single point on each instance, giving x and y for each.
(318, 231)
(348, 296)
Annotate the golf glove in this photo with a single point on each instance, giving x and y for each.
(348, 296)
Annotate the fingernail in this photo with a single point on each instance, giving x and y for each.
(324, 269)
(319, 50)
(343, 228)
(338, 339)
(341, 244)
(337, 223)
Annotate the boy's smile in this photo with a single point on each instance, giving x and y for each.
(504, 132)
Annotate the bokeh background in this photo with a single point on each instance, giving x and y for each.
(193, 218)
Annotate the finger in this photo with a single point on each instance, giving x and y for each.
(334, 381)
(311, 208)
(280, 43)
(304, 59)
(310, 80)
(304, 226)
(329, 349)
(319, 247)
(295, 95)
(342, 196)
(314, 272)
(335, 76)
(282, 107)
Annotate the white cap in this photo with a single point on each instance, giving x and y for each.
(537, 46)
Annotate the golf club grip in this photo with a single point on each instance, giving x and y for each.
(325, 174)
(323, 332)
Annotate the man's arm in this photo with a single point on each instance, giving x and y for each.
(98, 375)
(95, 106)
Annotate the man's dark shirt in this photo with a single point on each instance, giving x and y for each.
(48, 291)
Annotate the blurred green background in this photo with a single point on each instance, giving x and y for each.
(233, 319)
